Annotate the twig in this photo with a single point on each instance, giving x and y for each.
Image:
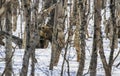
(116, 56)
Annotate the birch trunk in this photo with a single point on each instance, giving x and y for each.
(32, 38)
(8, 46)
(58, 35)
(113, 40)
(35, 26)
(82, 19)
(76, 17)
(26, 57)
(97, 23)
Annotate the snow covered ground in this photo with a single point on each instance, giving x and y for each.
(43, 60)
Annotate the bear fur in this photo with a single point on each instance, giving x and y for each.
(45, 33)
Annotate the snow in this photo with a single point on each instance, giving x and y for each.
(43, 57)
(43, 61)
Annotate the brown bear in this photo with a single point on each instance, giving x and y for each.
(45, 33)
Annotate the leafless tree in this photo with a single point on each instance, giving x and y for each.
(97, 23)
(8, 28)
(114, 36)
(83, 21)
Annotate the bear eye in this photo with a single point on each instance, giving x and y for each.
(42, 28)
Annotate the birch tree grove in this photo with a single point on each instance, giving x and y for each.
(59, 37)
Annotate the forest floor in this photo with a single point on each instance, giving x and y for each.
(43, 60)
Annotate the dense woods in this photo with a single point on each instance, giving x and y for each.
(63, 25)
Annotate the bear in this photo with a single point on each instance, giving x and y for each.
(45, 33)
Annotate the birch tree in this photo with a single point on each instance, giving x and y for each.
(58, 34)
(114, 36)
(32, 37)
(97, 23)
(100, 43)
(24, 70)
(35, 33)
(8, 46)
(82, 20)
(76, 17)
